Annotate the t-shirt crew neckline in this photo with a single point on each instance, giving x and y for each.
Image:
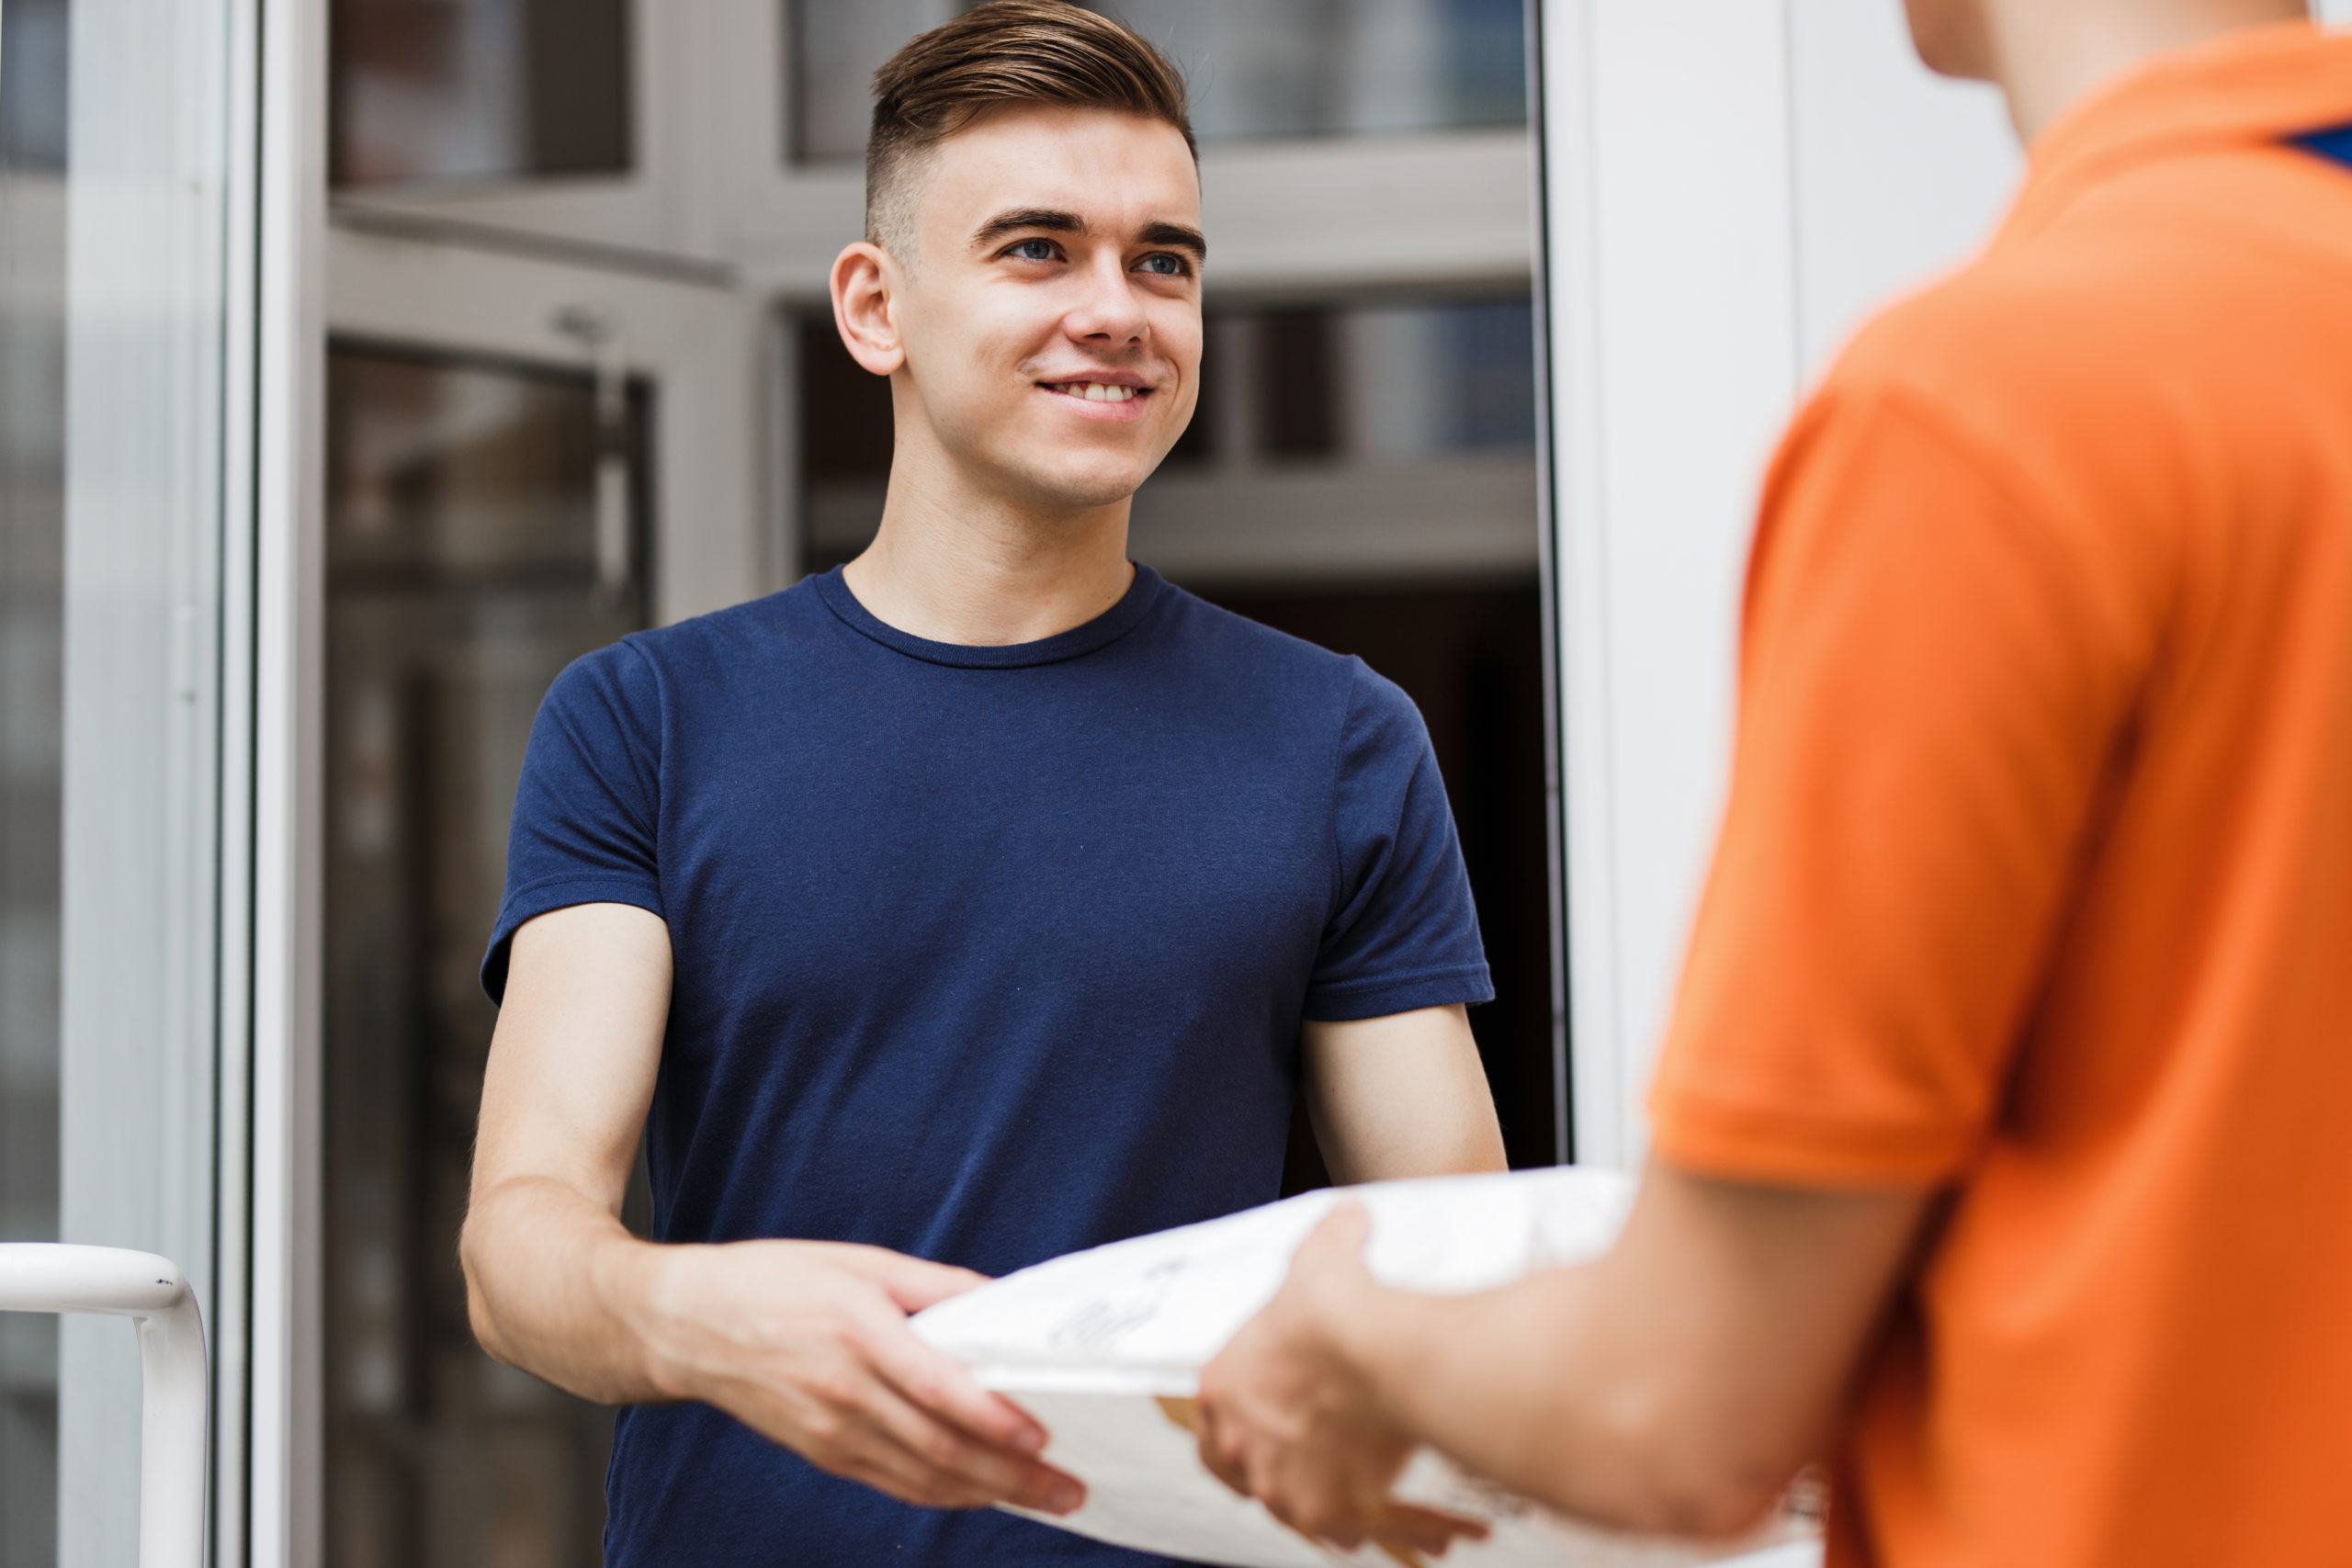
(1108, 627)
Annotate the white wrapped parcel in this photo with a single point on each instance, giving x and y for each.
(1099, 1344)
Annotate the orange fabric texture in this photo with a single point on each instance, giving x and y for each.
(2036, 877)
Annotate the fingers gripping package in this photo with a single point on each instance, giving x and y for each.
(1105, 1348)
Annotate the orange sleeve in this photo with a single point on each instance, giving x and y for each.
(1936, 678)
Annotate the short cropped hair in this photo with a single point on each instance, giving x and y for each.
(1000, 53)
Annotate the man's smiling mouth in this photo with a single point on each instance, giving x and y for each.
(1096, 391)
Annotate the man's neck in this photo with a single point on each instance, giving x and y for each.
(960, 567)
(2049, 56)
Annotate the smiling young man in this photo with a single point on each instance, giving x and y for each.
(983, 900)
(2001, 1154)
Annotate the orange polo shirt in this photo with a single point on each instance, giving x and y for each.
(2036, 878)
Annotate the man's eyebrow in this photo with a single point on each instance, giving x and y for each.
(1176, 234)
(1052, 219)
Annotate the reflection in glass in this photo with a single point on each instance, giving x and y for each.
(478, 89)
(1372, 383)
(837, 45)
(33, 42)
(1258, 68)
(463, 574)
(1262, 68)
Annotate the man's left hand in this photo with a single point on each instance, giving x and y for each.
(1290, 1417)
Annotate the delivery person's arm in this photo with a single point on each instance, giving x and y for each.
(806, 1342)
(1676, 1384)
(1404, 1095)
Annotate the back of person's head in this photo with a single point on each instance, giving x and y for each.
(1005, 53)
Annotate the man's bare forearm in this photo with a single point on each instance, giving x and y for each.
(556, 1286)
(1676, 1384)
(1520, 1386)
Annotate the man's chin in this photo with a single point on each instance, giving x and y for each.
(1067, 491)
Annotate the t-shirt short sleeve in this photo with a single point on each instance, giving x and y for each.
(586, 812)
(1404, 932)
(1937, 669)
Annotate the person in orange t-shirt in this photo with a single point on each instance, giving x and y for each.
(2003, 1153)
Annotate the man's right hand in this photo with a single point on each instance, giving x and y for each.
(807, 1343)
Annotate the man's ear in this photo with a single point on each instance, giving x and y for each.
(866, 282)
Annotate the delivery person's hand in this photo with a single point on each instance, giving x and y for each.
(807, 1342)
(1287, 1416)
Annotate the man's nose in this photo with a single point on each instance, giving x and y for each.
(1107, 308)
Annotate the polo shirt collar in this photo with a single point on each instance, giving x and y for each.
(2258, 87)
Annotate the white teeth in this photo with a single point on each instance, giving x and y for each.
(1097, 391)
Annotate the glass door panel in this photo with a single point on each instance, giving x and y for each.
(471, 555)
(433, 90)
(32, 725)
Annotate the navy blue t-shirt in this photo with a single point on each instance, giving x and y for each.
(984, 954)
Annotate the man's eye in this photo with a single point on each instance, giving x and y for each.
(1033, 250)
(1166, 265)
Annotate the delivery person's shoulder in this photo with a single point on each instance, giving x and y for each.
(2079, 388)
(2103, 372)
(2158, 307)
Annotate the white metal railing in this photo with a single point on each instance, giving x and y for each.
(152, 1293)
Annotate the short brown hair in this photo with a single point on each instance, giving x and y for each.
(1004, 52)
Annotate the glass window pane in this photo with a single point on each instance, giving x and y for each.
(479, 89)
(467, 563)
(1258, 68)
(837, 45)
(33, 40)
(1263, 68)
